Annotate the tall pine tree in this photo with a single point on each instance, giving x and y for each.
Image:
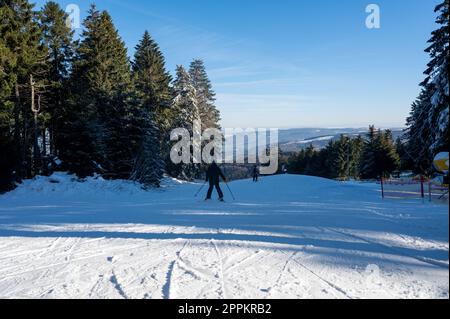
(379, 157)
(152, 81)
(7, 80)
(100, 72)
(209, 114)
(427, 132)
(368, 165)
(21, 41)
(342, 154)
(357, 145)
(387, 157)
(185, 106)
(58, 39)
(419, 133)
(437, 79)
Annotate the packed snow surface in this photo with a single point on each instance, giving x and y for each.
(285, 237)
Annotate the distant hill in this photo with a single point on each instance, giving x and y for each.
(293, 140)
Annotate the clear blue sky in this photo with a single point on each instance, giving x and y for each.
(291, 63)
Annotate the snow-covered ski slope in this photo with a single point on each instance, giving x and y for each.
(285, 237)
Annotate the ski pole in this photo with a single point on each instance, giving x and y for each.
(196, 194)
(230, 191)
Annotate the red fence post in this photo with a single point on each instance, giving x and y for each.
(422, 191)
(429, 190)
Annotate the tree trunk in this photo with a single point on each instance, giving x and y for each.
(36, 151)
(17, 138)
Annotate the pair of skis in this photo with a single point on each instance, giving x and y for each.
(229, 189)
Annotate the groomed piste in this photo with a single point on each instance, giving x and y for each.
(285, 237)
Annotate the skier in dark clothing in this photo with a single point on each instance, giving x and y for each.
(213, 177)
(255, 174)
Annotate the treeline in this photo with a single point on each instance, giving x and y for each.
(428, 123)
(368, 157)
(82, 106)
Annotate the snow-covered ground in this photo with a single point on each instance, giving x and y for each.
(286, 237)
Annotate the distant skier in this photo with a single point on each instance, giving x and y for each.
(213, 177)
(255, 174)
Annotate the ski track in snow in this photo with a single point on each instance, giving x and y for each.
(285, 237)
(220, 275)
(278, 280)
(335, 287)
(168, 287)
